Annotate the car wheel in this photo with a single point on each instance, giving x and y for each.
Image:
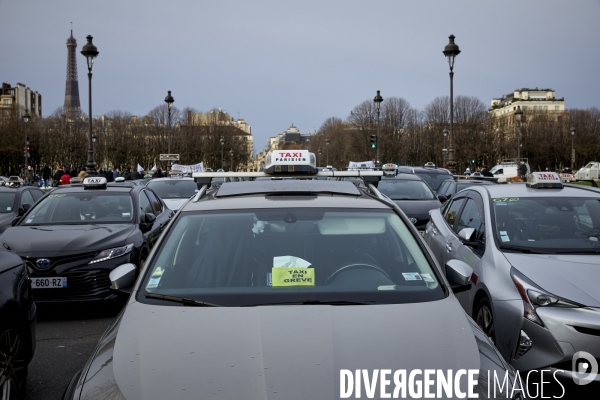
(485, 319)
(13, 366)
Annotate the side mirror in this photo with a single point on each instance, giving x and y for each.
(147, 222)
(24, 208)
(122, 278)
(467, 237)
(442, 198)
(459, 275)
(149, 218)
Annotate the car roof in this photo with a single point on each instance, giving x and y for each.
(522, 190)
(474, 182)
(6, 189)
(80, 188)
(284, 194)
(419, 170)
(403, 177)
(185, 178)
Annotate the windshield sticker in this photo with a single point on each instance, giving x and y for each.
(58, 195)
(504, 236)
(505, 199)
(412, 276)
(427, 278)
(125, 215)
(29, 220)
(8, 208)
(386, 287)
(293, 277)
(155, 278)
(593, 238)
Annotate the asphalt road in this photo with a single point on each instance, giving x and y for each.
(66, 337)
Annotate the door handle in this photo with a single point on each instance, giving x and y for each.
(448, 248)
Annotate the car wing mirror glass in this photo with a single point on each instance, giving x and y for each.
(467, 237)
(442, 198)
(459, 275)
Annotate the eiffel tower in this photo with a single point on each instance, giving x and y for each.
(72, 88)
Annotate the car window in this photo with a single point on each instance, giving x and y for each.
(548, 224)
(433, 179)
(174, 188)
(400, 189)
(145, 205)
(81, 208)
(26, 197)
(276, 255)
(452, 211)
(7, 200)
(470, 218)
(447, 187)
(156, 203)
(37, 194)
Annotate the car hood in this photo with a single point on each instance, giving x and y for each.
(6, 220)
(281, 352)
(418, 208)
(54, 240)
(572, 277)
(175, 204)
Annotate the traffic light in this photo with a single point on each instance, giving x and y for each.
(473, 161)
(373, 141)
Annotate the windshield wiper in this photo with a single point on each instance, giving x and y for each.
(580, 251)
(315, 302)
(182, 300)
(521, 249)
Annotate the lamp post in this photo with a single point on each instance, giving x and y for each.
(377, 100)
(231, 165)
(444, 150)
(451, 51)
(90, 52)
(518, 118)
(319, 158)
(26, 118)
(222, 143)
(572, 147)
(327, 151)
(169, 100)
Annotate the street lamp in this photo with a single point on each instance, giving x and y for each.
(377, 100)
(169, 100)
(518, 118)
(90, 52)
(327, 150)
(319, 158)
(231, 165)
(572, 147)
(445, 150)
(26, 118)
(451, 51)
(222, 143)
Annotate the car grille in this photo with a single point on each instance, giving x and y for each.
(66, 261)
(81, 285)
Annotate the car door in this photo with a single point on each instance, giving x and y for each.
(161, 213)
(471, 216)
(439, 235)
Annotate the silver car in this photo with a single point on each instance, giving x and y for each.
(173, 191)
(272, 289)
(535, 253)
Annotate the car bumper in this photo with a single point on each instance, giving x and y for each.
(85, 282)
(566, 332)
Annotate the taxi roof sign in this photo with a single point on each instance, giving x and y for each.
(95, 182)
(544, 180)
(291, 162)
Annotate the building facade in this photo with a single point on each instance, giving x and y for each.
(536, 100)
(19, 100)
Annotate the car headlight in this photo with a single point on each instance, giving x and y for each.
(112, 253)
(534, 296)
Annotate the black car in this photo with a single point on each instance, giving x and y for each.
(17, 325)
(450, 187)
(433, 176)
(75, 235)
(15, 201)
(412, 195)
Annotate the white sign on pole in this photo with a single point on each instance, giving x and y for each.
(364, 165)
(188, 168)
(169, 157)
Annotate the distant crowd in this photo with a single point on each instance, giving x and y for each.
(45, 178)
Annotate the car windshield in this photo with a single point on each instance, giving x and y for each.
(174, 188)
(400, 189)
(433, 179)
(7, 201)
(547, 224)
(284, 255)
(82, 208)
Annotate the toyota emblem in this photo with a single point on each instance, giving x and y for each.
(42, 263)
(413, 220)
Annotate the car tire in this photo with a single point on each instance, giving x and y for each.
(13, 363)
(485, 318)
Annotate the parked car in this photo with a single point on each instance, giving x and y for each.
(431, 174)
(507, 169)
(76, 234)
(173, 191)
(535, 251)
(270, 288)
(14, 201)
(450, 187)
(18, 315)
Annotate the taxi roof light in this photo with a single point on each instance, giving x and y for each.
(544, 180)
(95, 182)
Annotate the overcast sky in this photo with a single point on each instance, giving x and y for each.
(278, 62)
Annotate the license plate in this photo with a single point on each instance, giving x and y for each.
(49, 283)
